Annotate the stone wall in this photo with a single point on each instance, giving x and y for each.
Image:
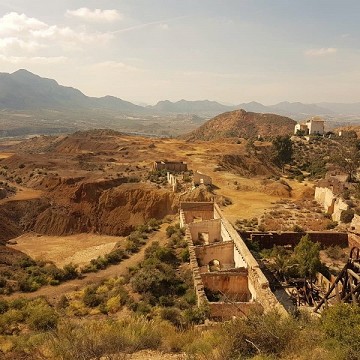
(197, 211)
(211, 227)
(258, 284)
(177, 166)
(223, 252)
(233, 284)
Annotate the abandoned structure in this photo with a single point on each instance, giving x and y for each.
(175, 166)
(200, 178)
(313, 126)
(227, 278)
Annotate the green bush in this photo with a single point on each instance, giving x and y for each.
(347, 216)
(41, 316)
(342, 323)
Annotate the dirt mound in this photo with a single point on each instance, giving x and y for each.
(87, 141)
(276, 188)
(200, 193)
(111, 211)
(242, 124)
(247, 164)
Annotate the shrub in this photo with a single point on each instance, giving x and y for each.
(341, 322)
(70, 272)
(331, 225)
(347, 216)
(297, 228)
(90, 297)
(41, 316)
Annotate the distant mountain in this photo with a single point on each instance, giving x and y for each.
(23, 90)
(242, 124)
(343, 109)
(200, 107)
(298, 108)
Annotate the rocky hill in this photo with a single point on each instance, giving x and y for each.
(242, 124)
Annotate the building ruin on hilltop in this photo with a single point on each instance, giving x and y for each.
(313, 126)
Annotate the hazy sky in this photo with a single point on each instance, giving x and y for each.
(226, 50)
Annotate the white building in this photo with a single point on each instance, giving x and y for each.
(313, 126)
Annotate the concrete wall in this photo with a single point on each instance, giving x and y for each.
(233, 285)
(326, 198)
(331, 203)
(212, 227)
(172, 181)
(223, 252)
(315, 127)
(258, 284)
(268, 240)
(197, 211)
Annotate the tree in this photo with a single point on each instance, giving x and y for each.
(283, 150)
(307, 257)
(348, 157)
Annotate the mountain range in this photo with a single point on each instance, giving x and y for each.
(23, 90)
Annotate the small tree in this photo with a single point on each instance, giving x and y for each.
(307, 256)
(283, 150)
(348, 157)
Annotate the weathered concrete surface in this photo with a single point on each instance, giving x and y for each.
(223, 252)
(331, 203)
(211, 227)
(259, 292)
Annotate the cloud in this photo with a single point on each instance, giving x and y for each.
(114, 65)
(164, 26)
(10, 44)
(14, 23)
(320, 52)
(96, 15)
(33, 59)
(20, 32)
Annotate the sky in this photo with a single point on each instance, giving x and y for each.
(231, 51)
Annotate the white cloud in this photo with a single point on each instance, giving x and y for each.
(33, 59)
(14, 23)
(10, 44)
(20, 32)
(320, 52)
(96, 15)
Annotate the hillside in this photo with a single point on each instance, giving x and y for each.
(242, 124)
(24, 90)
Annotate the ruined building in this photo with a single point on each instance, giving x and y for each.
(175, 166)
(227, 278)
